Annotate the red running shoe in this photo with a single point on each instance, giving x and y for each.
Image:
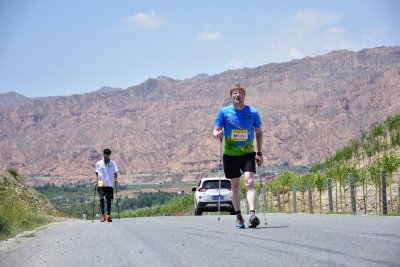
(102, 218)
(240, 222)
(109, 219)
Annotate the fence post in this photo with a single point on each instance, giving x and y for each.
(272, 199)
(330, 195)
(278, 194)
(265, 198)
(310, 197)
(384, 196)
(398, 195)
(352, 194)
(294, 199)
(244, 205)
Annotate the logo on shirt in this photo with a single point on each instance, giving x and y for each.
(247, 116)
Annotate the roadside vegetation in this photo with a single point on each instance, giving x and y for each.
(179, 205)
(377, 153)
(21, 208)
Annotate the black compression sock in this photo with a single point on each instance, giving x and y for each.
(108, 206)
(102, 205)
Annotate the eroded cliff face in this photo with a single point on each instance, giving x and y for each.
(309, 108)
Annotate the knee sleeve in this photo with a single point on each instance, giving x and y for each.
(249, 184)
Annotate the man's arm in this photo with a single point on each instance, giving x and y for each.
(259, 137)
(115, 177)
(96, 179)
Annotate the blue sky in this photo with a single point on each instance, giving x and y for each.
(54, 47)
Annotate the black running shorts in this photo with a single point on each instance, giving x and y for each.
(107, 192)
(235, 166)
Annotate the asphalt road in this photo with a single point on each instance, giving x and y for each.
(287, 240)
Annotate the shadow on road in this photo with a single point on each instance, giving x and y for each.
(272, 227)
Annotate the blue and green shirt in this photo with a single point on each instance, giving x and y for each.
(238, 128)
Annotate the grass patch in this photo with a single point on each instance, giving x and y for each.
(16, 217)
(179, 204)
(20, 207)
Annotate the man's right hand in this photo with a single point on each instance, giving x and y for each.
(220, 135)
(95, 184)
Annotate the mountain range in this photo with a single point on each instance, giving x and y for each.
(162, 129)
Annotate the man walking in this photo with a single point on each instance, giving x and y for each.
(238, 123)
(106, 170)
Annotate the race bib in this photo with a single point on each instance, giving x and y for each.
(102, 183)
(239, 135)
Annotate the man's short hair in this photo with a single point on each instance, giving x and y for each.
(106, 151)
(237, 87)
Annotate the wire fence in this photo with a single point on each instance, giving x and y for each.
(382, 198)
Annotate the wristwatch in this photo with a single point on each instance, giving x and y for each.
(259, 154)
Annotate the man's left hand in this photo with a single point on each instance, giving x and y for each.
(259, 160)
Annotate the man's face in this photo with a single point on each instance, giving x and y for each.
(237, 97)
(106, 156)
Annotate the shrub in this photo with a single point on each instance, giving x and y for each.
(5, 229)
(13, 172)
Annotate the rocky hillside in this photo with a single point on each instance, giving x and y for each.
(309, 108)
(13, 98)
(12, 186)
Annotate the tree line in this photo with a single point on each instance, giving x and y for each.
(75, 199)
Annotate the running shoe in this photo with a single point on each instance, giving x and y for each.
(240, 222)
(253, 221)
(102, 218)
(109, 219)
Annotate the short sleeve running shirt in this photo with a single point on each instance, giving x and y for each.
(106, 173)
(238, 128)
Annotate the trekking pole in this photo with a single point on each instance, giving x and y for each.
(263, 194)
(116, 194)
(219, 180)
(94, 202)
